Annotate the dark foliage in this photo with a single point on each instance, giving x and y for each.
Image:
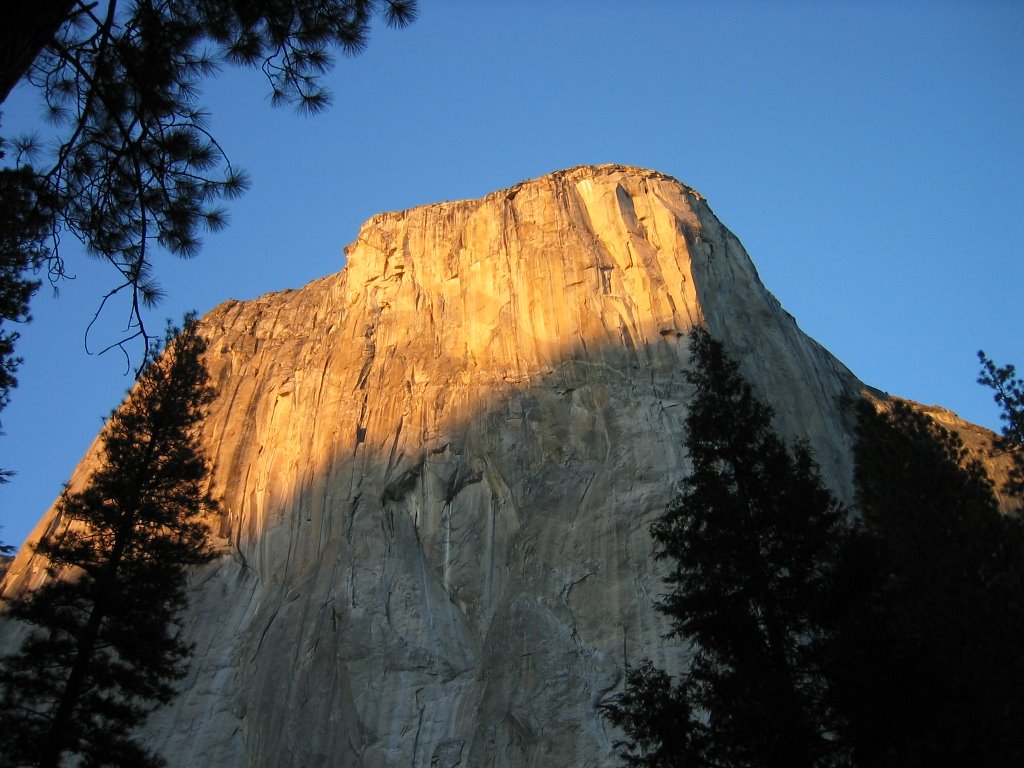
(656, 715)
(136, 164)
(752, 538)
(927, 669)
(1008, 392)
(24, 226)
(105, 649)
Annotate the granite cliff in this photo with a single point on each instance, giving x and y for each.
(438, 468)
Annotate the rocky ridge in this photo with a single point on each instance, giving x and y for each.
(438, 468)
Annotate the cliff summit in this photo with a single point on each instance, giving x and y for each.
(438, 468)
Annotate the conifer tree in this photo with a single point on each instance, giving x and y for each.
(104, 649)
(135, 163)
(1008, 392)
(752, 538)
(927, 670)
(23, 232)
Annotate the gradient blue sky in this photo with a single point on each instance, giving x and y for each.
(870, 156)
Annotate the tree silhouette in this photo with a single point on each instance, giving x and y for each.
(136, 165)
(752, 538)
(105, 648)
(22, 236)
(23, 232)
(927, 669)
(1008, 392)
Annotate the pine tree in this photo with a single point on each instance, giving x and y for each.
(752, 538)
(23, 232)
(135, 164)
(927, 670)
(1008, 392)
(105, 648)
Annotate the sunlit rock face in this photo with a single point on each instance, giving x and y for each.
(438, 468)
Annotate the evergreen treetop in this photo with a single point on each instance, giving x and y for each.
(106, 649)
(751, 538)
(1008, 392)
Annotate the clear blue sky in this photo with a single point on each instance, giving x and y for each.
(870, 156)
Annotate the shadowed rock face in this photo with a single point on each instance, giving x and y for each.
(438, 468)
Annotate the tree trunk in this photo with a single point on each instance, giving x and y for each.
(25, 30)
(53, 748)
